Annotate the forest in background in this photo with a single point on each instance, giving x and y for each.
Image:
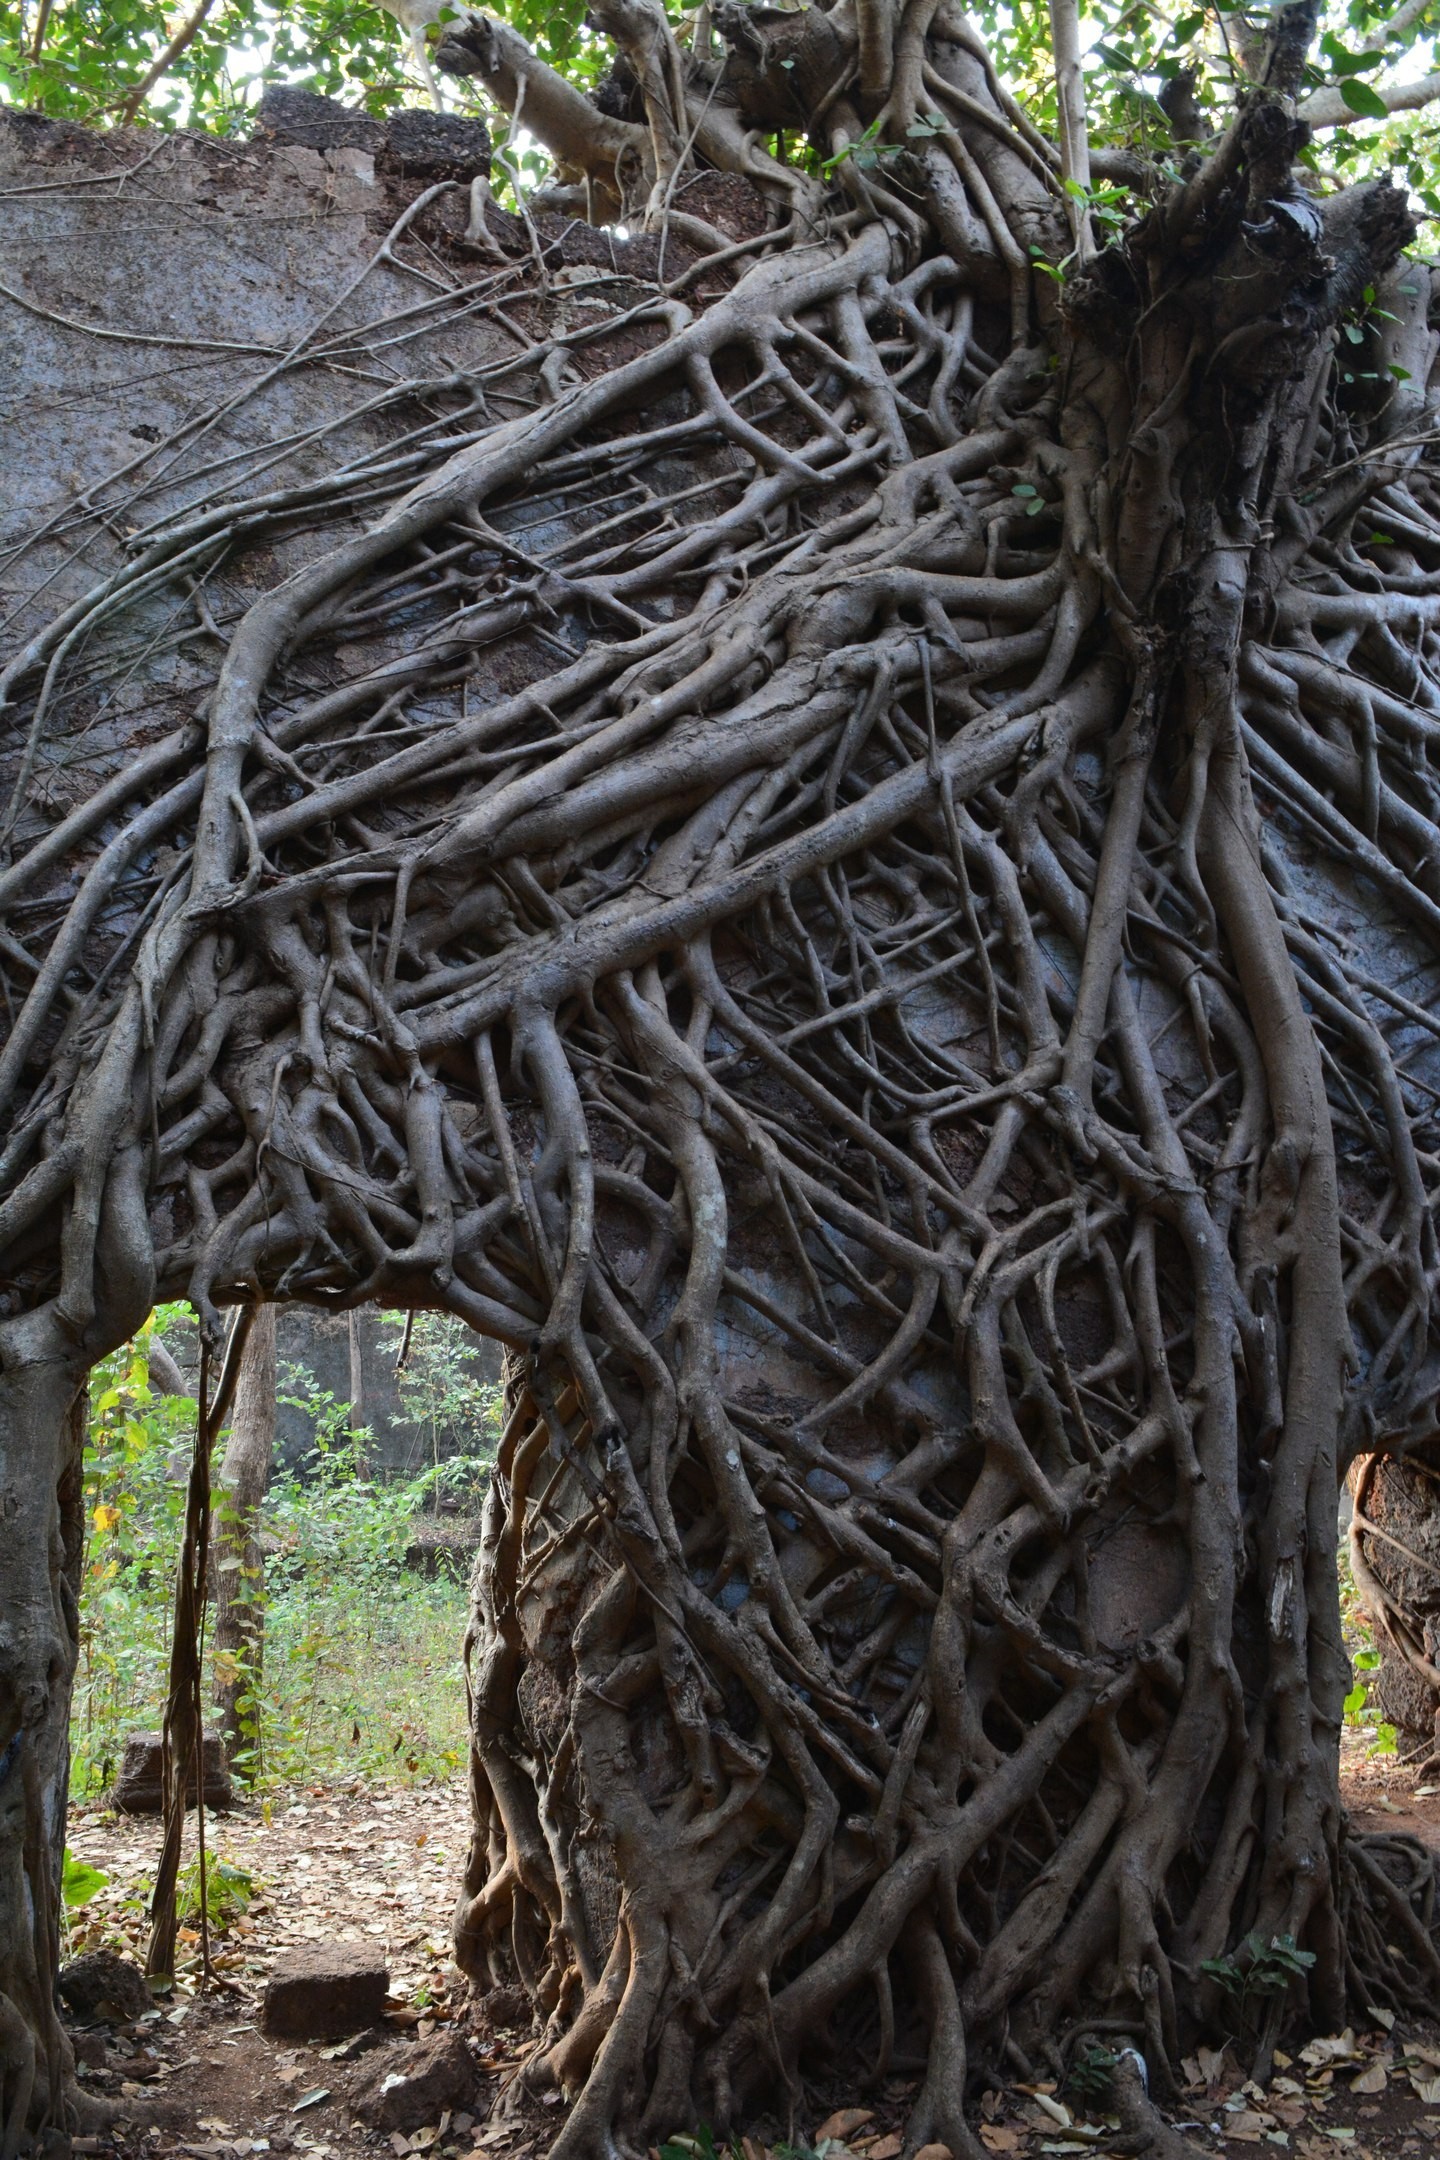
(361, 1669)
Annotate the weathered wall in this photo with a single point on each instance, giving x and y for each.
(196, 317)
(193, 318)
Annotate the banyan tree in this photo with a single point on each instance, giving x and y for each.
(839, 850)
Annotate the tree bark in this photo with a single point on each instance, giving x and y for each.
(42, 1438)
(165, 1375)
(238, 1634)
(833, 956)
(359, 1412)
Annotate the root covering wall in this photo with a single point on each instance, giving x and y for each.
(828, 836)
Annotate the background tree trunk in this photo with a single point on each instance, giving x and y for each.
(238, 1634)
(359, 1409)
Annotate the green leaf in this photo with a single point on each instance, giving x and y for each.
(1363, 100)
(1345, 63)
(1355, 1701)
(79, 1881)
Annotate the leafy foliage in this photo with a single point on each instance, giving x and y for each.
(79, 1881)
(82, 59)
(228, 1891)
(1361, 1714)
(1257, 1973)
(94, 53)
(443, 1391)
(1091, 2073)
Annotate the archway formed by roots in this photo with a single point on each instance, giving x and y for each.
(854, 881)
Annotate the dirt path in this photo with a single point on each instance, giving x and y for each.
(324, 1865)
(380, 1866)
(1381, 1794)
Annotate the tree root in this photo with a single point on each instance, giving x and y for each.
(809, 934)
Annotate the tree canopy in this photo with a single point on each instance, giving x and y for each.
(1368, 80)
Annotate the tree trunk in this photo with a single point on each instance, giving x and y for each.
(42, 1439)
(359, 1409)
(839, 853)
(165, 1375)
(238, 1635)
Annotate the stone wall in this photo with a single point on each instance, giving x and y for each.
(201, 318)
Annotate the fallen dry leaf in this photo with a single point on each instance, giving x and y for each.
(842, 2123)
(1369, 2081)
(1337, 2047)
(934, 2152)
(1000, 2137)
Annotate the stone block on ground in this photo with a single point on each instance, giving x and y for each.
(138, 1789)
(103, 1985)
(324, 1991)
(412, 2086)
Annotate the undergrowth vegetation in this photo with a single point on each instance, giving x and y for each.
(361, 1657)
(1362, 1714)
